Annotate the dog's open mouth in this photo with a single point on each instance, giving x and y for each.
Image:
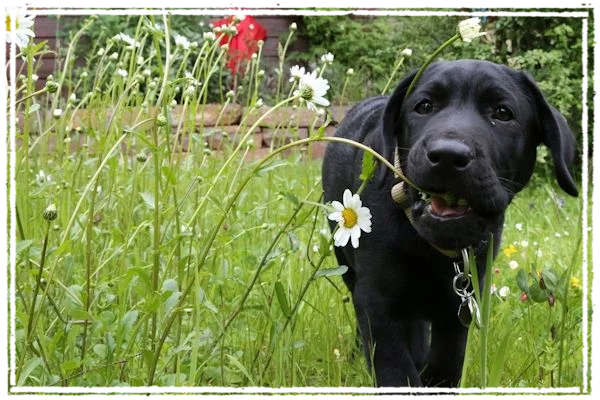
(445, 205)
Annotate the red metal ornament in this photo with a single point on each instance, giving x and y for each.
(245, 41)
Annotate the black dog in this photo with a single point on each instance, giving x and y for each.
(469, 129)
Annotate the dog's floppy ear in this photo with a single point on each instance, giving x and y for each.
(557, 136)
(391, 121)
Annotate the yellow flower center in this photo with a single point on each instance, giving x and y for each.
(10, 23)
(350, 217)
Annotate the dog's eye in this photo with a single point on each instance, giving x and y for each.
(502, 113)
(424, 107)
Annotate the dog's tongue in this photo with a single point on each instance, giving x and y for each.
(441, 208)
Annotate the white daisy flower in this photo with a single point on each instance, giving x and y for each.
(56, 114)
(210, 36)
(519, 227)
(504, 291)
(539, 253)
(296, 73)
(327, 58)
(23, 23)
(181, 41)
(513, 264)
(468, 29)
(524, 243)
(312, 89)
(128, 40)
(351, 218)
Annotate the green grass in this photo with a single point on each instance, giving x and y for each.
(169, 269)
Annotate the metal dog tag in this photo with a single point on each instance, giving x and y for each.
(474, 311)
(464, 313)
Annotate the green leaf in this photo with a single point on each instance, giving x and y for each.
(523, 280)
(100, 350)
(70, 365)
(550, 279)
(536, 293)
(282, 299)
(78, 313)
(291, 198)
(341, 270)
(129, 319)
(23, 245)
(34, 108)
(148, 199)
(294, 242)
(28, 368)
(368, 166)
(497, 363)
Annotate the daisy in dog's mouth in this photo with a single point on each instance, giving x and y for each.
(445, 205)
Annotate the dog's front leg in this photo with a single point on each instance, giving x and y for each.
(445, 361)
(386, 343)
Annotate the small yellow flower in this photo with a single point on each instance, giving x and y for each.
(575, 283)
(510, 250)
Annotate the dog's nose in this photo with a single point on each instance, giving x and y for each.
(449, 153)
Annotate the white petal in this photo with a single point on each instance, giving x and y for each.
(335, 216)
(341, 237)
(355, 235)
(337, 206)
(347, 198)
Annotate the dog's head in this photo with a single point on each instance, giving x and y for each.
(467, 134)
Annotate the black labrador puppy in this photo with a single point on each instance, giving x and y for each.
(468, 131)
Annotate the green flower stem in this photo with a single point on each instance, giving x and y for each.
(72, 45)
(344, 90)
(36, 290)
(43, 90)
(281, 61)
(429, 61)
(396, 68)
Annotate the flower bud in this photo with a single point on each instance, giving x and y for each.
(50, 213)
(293, 26)
(51, 86)
(141, 157)
(161, 120)
(406, 53)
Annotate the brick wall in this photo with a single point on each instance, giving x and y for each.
(218, 128)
